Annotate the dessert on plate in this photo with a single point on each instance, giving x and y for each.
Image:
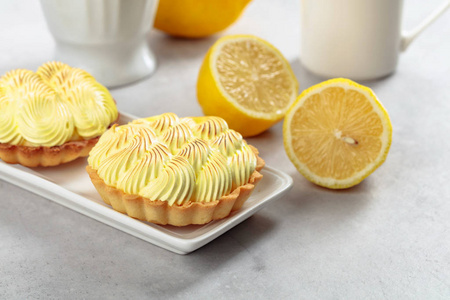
(52, 116)
(176, 171)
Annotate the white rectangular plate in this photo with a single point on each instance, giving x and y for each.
(69, 185)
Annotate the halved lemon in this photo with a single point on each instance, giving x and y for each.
(246, 81)
(337, 133)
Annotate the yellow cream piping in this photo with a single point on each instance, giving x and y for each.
(175, 137)
(144, 170)
(175, 184)
(180, 160)
(160, 123)
(208, 128)
(214, 180)
(55, 105)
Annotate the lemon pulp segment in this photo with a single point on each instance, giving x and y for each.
(254, 76)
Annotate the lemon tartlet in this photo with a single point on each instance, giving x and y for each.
(52, 116)
(176, 171)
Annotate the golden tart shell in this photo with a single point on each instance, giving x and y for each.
(160, 212)
(46, 156)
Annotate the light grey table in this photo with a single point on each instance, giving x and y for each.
(388, 238)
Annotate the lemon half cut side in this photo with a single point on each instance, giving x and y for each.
(337, 133)
(246, 81)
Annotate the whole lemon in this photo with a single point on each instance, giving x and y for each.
(197, 18)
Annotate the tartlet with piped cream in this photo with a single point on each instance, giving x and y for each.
(176, 171)
(52, 116)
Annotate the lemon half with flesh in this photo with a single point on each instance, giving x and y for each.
(246, 81)
(337, 133)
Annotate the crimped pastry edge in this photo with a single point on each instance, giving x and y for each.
(46, 156)
(189, 213)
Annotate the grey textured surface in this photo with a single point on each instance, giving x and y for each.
(387, 238)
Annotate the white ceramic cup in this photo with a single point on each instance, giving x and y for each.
(356, 39)
(107, 38)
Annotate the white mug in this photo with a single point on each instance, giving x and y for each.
(107, 38)
(356, 39)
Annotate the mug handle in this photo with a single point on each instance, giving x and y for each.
(408, 37)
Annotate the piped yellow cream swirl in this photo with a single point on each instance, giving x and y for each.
(174, 159)
(55, 105)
